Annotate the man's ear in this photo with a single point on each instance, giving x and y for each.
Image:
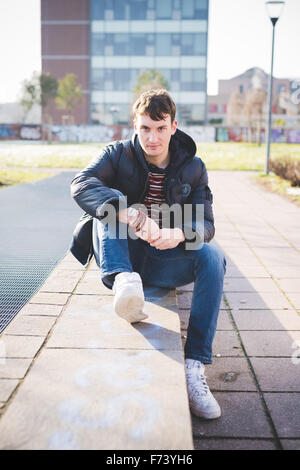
(174, 127)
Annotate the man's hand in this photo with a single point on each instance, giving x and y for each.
(149, 231)
(143, 227)
(168, 238)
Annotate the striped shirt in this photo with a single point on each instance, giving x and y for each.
(156, 196)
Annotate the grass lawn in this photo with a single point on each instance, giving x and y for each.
(242, 156)
(9, 177)
(277, 185)
(27, 157)
(217, 156)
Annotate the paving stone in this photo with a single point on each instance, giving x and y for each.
(226, 343)
(250, 285)
(90, 322)
(49, 298)
(285, 413)
(289, 285)
(184, 316)
(230, 374)
(279, 257)
(241, 256)
(92, 284)
(285, 272)
(184, 301)
(185, 288)
(231, 241)
(277, 374)
(246, 271)
(72, 266)
(264, 300)
(240, 262)
(234, 444)
(106, 399)
(290, 444)
(14, 368)
(266, 319)
(295, 299)
(21, 346)
(7, 386)
(41, 309)
(224, 321)
(61, 280)
(30, 325)
(238, 417)
(69, 258)
(267, 242)
(269, 343)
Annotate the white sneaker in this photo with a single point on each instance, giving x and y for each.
(202, 402)
(129, 297)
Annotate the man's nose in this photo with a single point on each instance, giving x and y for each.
(152, 137)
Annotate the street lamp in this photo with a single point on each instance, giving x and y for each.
(274, 8)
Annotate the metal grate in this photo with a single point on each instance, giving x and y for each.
(17, 285)
(37, 221)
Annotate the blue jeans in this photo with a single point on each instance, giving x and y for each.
(170, 268)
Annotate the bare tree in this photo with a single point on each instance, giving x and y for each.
(254, 111)
(235, 109)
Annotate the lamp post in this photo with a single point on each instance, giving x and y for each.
(274, 8)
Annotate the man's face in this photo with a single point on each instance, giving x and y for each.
(154, 136)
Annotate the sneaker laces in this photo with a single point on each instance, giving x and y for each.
(196, 379)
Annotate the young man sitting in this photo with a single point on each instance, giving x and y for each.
(157, 169)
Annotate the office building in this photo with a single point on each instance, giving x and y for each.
(108, 43)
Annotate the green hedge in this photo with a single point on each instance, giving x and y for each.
(287, 168)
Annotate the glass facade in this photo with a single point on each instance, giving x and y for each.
(130, 36)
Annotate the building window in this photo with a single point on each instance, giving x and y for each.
(138, 9)
(121, 10)
(164, 10)
(138, 44)
(121, 46)
(97, 44)
(163, 44)
(97, 9)
(187, 9)
(97, 79)
(199, 44)
(187, 44)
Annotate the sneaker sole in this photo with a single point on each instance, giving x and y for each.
(201, 414)
(130, 308)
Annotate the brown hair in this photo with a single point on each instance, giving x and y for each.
(156, 103)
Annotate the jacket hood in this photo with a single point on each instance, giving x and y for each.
(182, 147)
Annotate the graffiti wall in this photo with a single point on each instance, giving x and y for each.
(18, 132)
(99, 133)
(240, 134)
(201, 133)
(9, 132)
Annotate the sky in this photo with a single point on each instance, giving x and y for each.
(240, 34)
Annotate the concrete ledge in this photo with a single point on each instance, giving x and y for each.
(76, 376)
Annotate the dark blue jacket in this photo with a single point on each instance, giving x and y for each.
(122, 166)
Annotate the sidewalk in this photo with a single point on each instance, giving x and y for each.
(256, 371)
(77, 376)
(254, 377)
